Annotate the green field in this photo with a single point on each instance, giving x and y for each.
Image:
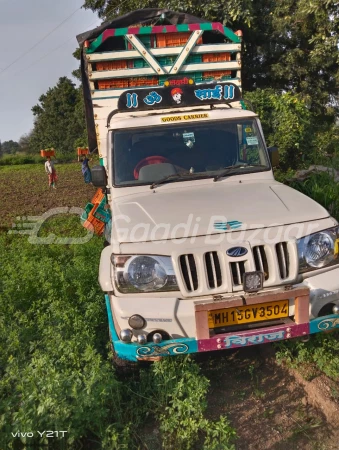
(56, 371)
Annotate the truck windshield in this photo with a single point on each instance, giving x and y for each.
(194, 150)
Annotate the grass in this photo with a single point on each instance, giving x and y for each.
(55, 366)
(319, 354)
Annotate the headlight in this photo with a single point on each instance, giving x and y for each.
(318, 250)
(144, 273)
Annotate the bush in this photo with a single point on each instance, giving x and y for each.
(322, 188)
(55, 373)
(181, 390)
(14, 160)
(321, 351)
(287, 123)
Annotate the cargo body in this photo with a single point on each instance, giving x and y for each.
(204, 249)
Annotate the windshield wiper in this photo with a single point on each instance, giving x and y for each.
(230, 169)
(175, 176)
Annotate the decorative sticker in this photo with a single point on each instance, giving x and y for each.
(152, 98)
(189, 139)
(237, 340)
(215, 93)
(252, 140)
(233, 225)
(176, 94)
(183, 118)
(165, 350)
(178, 82)
(132, 100)
(207, 94)
(248, 130)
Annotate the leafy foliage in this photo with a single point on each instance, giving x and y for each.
(9, 147)
(321, 351)
(323, 189)
(180, 390)
(59, 118)
(287, 123)
(54, 370)
(13, 160)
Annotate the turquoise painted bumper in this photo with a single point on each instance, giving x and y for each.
(137, 352)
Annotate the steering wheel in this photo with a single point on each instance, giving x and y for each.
(147, 161)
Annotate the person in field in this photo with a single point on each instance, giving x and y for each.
(86, 171)
(50, 170)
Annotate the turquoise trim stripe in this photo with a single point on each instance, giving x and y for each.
(230, 35)
(110, 320)
(324, 323)
(136, 352)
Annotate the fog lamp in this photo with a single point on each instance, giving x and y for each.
(126, 335)
(157, 338)
(335, 309)
(253, 281)
(136, 322)
(142, 339)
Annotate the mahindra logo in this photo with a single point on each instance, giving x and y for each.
(236, 252)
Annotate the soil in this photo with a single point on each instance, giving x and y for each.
(25, 192)
(272, 407)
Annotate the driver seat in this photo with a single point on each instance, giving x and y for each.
(154, 172)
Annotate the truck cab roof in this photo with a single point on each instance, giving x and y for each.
(184, 115)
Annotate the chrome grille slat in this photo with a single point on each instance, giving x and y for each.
(238, 272)
(189, 272)
(213, 270)
(283, 259)
(210, 271)
(261, 265)
(237, 269)
(260, 260)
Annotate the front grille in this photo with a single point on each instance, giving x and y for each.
(283, 259)
(212, 264)
(210, 272)
(238, 270)
(260, 260)
(189, 272)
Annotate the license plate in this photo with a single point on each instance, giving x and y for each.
(247, 314)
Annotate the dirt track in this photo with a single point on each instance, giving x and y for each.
(272, 407)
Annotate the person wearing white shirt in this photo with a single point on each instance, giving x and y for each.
(50, 170)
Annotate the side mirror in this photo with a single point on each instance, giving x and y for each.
(273, 153)
(99, 176)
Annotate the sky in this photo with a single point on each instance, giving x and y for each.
(23, 24)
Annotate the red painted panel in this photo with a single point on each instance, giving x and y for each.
(194, 26)
(247, 338)
(133, 30)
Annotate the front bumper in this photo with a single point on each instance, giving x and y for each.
(151, 351)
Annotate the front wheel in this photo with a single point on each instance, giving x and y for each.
(121, 365)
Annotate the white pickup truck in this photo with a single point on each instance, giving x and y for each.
(206, 251)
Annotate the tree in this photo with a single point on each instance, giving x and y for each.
(10, 147)
(59, 118)
(25, 143)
